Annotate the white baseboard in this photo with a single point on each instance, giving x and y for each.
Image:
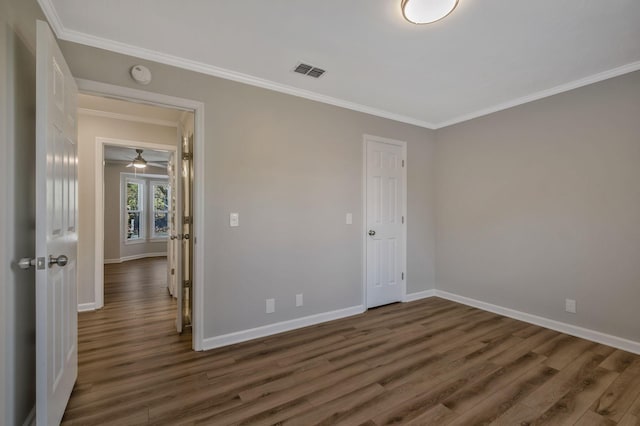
(419, 295)
(134, 257)
(574, 330)
(84, 307)
(280, 327)
(31, 418)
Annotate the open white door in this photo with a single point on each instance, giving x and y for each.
(56, 235)
(385, 224)
(174, 257)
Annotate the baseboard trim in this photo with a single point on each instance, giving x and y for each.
(574, 330)
(84, 307)
(134, 257)
(31, 418)
(280, 327)
(425, 294)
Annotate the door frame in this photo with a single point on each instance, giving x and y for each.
(135, 95)
(365, 140)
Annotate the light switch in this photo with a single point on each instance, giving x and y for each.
(349, 218)
(234, 219)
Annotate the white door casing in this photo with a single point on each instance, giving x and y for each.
(56, 234)
(385, 221)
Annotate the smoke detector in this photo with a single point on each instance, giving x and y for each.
(141, 74)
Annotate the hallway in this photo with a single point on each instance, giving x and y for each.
(123, 347)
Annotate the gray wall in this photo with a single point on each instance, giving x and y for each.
(89, 128)
(17, 169)
(542, 202)
(114, 246)
(292, 168)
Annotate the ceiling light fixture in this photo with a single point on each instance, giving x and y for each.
(139, 162)
(427, 11)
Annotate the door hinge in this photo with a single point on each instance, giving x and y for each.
(187, 156)
(402, 163)
(403, 276)
(187, 220)
(186, 284)
(402, 219)
(173, 271)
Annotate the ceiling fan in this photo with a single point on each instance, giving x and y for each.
(141, 163)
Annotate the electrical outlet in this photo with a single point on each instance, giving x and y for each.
(271, 306)
(299, 299)
(570, 306)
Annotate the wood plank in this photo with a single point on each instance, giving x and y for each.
(426, 362)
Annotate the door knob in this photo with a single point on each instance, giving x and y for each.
(372, 232)
(60, 260)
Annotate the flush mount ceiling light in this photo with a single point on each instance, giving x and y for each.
(427, 11)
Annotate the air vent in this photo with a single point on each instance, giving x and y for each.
(308, 70)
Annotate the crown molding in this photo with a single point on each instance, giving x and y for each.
(595, 78)
(203, 68)
(200, 67)
(127, 117)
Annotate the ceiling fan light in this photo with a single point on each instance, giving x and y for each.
(139, 162)
(427, 11)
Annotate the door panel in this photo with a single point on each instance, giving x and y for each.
(384, 218)
(56, 213)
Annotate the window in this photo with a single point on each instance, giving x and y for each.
(160, 222)
(134, 215)
(146, 208)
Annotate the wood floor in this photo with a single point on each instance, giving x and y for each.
(426, 362)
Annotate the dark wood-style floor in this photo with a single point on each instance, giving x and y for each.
(426, 362)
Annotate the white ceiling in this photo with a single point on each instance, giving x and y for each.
(486, 56)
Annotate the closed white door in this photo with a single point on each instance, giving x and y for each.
(56, 235)
(385, 221)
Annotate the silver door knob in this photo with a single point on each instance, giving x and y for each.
(60, 260)
(372, 232)
(26, 263)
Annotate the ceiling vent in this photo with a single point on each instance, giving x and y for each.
(308, 70)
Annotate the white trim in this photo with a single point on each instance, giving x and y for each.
(178, 62)
(595, 78)
(573, 330)
(85, 307)
(370, 138)
(31, 418)
(280, 327)
(129, 94)
(135, 257)
(127, 117)
(425, 294)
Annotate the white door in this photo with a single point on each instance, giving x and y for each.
(56, 235)
(385, 217)
(174, 263)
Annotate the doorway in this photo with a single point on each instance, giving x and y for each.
(385, 220)
(139, 193)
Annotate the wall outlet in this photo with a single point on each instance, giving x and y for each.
(299, 299)
(570, 305)
(349, 219)
(271, 306)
